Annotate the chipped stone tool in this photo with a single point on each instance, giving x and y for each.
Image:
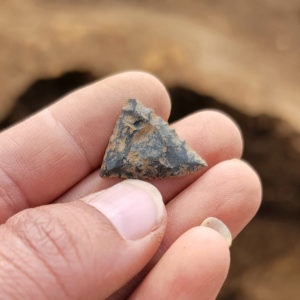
(144, 146)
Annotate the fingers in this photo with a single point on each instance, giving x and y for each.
(194, 267)
(212, 134)
(84, 249)
(230, 191)
(45, 155)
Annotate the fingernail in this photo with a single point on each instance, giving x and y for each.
(134, 207)
(220, 227)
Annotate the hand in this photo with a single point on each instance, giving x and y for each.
(69, 234)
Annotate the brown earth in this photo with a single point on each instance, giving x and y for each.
(238, 56)
(244, 53)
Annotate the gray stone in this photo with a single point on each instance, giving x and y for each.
(144, 146)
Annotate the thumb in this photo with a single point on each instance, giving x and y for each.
(85, 249)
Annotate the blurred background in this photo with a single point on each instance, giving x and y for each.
(242, 57)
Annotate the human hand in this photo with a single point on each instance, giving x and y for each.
(66, 247)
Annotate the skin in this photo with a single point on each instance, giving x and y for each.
(54, 157)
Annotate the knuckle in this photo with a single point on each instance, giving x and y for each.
(51, 248)
(44, 234)
(39, 236)
(17, 271)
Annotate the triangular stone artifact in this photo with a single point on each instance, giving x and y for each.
(144, 146)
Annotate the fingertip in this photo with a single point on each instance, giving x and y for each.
(210, 243)
(220, 227)
(245, 182)
(229, 125)
(250, 182)
(252, 178)
(194, 267)
(139, 85)
(208, 261)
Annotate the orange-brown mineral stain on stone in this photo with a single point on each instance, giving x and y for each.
(144, 146)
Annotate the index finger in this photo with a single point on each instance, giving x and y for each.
(45, 155)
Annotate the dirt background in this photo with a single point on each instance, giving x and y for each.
(237, 56)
